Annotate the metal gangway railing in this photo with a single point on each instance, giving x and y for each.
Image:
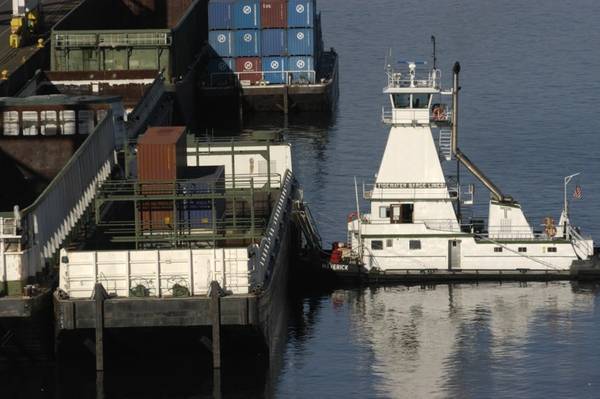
(48, 221)
(264, 257)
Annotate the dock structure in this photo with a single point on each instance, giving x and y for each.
(17, 65)
(39, 224)
(219, 286)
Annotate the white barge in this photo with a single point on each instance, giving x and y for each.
(415, 228)
(229, 271)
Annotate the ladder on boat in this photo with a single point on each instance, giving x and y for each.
(445, 144)
(307, 224)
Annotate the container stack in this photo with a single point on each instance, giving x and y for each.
(263, 41)
(162, 171)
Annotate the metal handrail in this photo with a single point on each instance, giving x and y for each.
(263, 82)
(180, 187)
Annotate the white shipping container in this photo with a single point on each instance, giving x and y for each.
(156, 271)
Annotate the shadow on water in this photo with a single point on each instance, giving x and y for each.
(162, 362)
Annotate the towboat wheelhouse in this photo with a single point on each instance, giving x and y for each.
(415, 222)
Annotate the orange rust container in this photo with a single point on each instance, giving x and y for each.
(161, 156)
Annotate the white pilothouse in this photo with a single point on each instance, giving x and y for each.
(415, 212)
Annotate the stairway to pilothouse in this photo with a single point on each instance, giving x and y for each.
(445, 144)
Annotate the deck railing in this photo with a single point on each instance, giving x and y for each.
(50, 219)
(295, 77)
(264, 256)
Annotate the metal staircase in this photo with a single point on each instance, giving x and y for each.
(307, 224)
(445, 144)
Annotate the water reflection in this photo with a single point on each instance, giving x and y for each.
(489, 340)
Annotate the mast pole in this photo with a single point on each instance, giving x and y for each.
(360, 247)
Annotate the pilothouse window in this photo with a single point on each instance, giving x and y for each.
(401, 100)
(420, 100)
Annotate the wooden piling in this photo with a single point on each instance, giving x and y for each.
(99, 297)
(285, 100)
(215, 312)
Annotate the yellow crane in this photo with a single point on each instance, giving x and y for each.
(25, 22)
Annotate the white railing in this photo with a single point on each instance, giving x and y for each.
(265, 257)
(295, 77)
(8, 228)
(112, 39)
(418, 79)
(49, 220)
(391, 116)
(584, 244)
(387, 115)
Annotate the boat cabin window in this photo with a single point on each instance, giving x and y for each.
(11, 123)
(384, 212)
(376, 244)
(30, 123)
(48, 123)
(389, 243)
(401, 100)
(420, 100)
(414, 244)
(551, 249)
(497, 249)
(402, 213)
(415, 101)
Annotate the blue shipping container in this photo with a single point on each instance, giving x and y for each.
(222, 42)
(301, 41)
(301, 69)
(301, 13)
(220, 14)
(198, 213)
(247, 43)
(273, 42)
(274, 69)
(246, 14)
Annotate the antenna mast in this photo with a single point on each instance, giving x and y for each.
(434, 55)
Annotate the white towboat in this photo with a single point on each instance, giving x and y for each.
(415, 220)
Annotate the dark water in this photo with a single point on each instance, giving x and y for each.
(531, 89)
(530, 79)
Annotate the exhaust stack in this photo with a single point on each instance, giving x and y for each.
(496, 193)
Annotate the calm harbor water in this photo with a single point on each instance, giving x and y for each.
(530, 89)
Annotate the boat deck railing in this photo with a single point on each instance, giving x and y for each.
(294, 77)
(420, 79)
(503, 233)
(387, 116)
(8, 228)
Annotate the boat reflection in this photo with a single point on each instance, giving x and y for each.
(429, 341)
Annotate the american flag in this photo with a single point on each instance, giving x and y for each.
(577, 194)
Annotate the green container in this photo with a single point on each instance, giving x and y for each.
(114, 35)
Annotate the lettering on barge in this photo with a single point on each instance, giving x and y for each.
(410, 185)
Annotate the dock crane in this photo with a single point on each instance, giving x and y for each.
(25, 22)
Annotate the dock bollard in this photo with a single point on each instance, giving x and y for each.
(4, 74)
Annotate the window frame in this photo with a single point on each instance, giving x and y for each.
(380, 245)
(415, 245)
